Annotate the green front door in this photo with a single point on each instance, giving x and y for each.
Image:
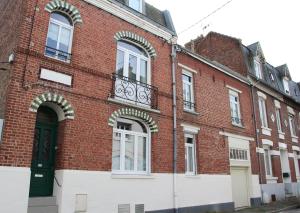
(43, 158)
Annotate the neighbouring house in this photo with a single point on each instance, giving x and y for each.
(276, 104)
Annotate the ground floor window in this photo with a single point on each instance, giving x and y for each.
(268, 162)
(130, 150)
(190, 156)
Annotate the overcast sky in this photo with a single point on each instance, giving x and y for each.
(274, 23)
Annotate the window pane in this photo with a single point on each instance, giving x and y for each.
(116, 151)
(187, 96)
(129, 152)
(267, 162)
(65, 37)
(135, 4)
(133, 48)
(143, 71)
(61, 18)
(132, 67)
(52, 38)
(120, 63)
(142, 153)
(278, 120)
(190, 159)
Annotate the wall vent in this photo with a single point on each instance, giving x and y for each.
(139, 208)
(124, 208)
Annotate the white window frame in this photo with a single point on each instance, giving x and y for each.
(193, 146)
(140, 6)
(258, 69)
(236, 95)
(263, 112)
(270, 162)
(1, 129)
(278, 119)
(191, 85)
(122, 152)
(286, 87)
(296, 163)
(61, 25)
(292, 124)
(139, 57)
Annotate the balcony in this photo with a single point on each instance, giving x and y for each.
(58, 54)
(134, 92)
(237, 121)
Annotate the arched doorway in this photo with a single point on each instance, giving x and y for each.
(43, 154)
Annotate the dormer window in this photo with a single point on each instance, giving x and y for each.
(257, 68)
(286, 86)
(136, 5)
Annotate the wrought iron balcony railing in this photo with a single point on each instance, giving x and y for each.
(58, 54)
(133, 91)
(187, 105)
(237, 121)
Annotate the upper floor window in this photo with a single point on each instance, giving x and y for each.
(262, 112)
(59, 38)
(268, 162)
(292, 125)
(130, 150)
(257, 68)
(136, 5)
(235, 108)
(188, 91)
(286, 86)
(278, 119)
(190, 157)
(296, 163)
(238, 154)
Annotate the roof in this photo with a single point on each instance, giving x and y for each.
(272, 76)
(152, 14)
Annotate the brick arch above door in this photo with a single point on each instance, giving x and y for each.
(55, 101)
(133, 113)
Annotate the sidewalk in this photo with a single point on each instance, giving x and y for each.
(278, 206)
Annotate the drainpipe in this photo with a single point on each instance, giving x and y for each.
(174, 56)
(256, 138)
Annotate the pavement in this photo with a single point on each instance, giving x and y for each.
(286, 206)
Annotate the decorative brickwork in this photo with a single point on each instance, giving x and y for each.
(65, 7)
(125, 35)
(135, 113)
(54, 98)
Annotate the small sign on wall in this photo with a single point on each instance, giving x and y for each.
(1, 129)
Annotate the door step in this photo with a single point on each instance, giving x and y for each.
(42, 205)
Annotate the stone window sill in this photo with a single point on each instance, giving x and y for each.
(266, 131)
(238, 125)
(281, 135)
(191, 112)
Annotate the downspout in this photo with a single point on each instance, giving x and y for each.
(256, 139)
(174, 56)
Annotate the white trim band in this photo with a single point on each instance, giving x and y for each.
(189, 128)
(236, 136)
(187, 68)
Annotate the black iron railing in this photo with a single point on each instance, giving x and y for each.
(189, 105)
(58, 54)
(237, 121)
(134, 91)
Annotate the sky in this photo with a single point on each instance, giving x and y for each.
(274, 23)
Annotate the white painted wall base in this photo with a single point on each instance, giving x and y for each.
(273, 188)
(105, 192)
(14, 186)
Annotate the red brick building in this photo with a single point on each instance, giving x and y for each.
(276, 106)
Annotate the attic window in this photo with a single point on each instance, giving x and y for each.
(257, 68)
(272, 77)
(136, 5)
(286, 86)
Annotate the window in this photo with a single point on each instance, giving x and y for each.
(292, 125)
(188, 91)
(262, 112)
(1, 128)
(238, 154)
(59, 38)
(136, 5)
(235, 108)
(190, 159)
(278, 119)
(296, 163)
(130, 151)
(286, 86)
(268, 163)
(257, 68)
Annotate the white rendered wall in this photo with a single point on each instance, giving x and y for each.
(256, 190)
(14, 186)
(105, 192)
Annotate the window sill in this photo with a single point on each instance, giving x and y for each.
(191, 112)
(131, 176)
(281, 135)
(57, 59)
(266, 131)
(238, 125)
(271, 179)
(116, 101)
(298, 178)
